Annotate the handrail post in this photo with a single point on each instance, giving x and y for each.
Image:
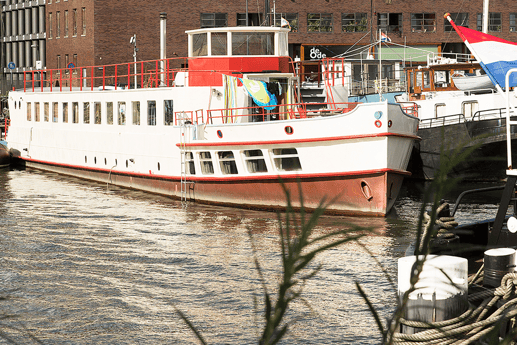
(103, 78)
(32, 77)
(51, 80)
(142, 74)
(24, 81)
(116, 69)
(71, 71)
(91, 78)
(129, 76)
(60, 80)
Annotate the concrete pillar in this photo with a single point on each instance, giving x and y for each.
(41, 21)
(34, 52)
(21, 22)
(27, 13)
(35, 18)
(14, 53)
(28, 54)
(14, 23)
(42, 52)
(21, 55)
(8, 52)
(8, 29)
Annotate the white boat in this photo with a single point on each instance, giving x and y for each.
(194, 133)
(466, 82)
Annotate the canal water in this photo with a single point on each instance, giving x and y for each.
(86, 263)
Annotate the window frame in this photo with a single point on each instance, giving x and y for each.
(319, 20)
(352, 21)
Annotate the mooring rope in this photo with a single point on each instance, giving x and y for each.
(445, 224)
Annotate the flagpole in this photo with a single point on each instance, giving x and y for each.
(380, 67)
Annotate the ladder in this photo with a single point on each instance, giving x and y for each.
(185, 138)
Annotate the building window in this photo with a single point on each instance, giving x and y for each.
(461, 19)
(254, 19)
(494, 21)
(292, 18)
(423, 22)
(319, 22)
(136, 113)
(58, 24)
(227, 163)
(50, 28)
(168, 113)
(75, 112)
(390, 22)
(74, 22)
(86, 112)
(67, 61)
(513, 18)
(354, 22)
(65, 112)
(58, 61)
(109, 113)
(66, 23)
(55, 111)
(46, 110)
(98, 113)
(205, 159)
(151, 113)
(121, 113)
(83, 20)
(75, 62)
(214, 20)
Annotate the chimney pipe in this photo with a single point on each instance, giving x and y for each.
(163, 46)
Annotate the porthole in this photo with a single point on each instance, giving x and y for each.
(219, 133)
(289, 130)
(378, 115)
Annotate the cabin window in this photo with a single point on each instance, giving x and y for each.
(219, 43)
(86, 112)
(205, 159)
(251, 43)
(151, 113)
(75, 112)
(46, 110)
(423, 22)
(469, 108)
(255, 162)
(214, 20)
(65, 112)
(136, 113)
(439, 110)
(36, 111)
(286, 159)
(461, 19)
(227, 163)
(168, 113)
(319, 22)
(55, 111)
(98, 113)
(189, 163)
(390, 22)
(109, 113)
(199, 45)
(354, 22)
(121, 113)
(29, 111)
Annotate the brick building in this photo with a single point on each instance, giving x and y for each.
(94, 32)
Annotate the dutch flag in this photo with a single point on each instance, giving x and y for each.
(384, 37)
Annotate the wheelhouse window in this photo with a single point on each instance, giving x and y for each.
(319, 22)
(136, 112)
(36, 111)
(75, 112)
(29, 111)
(227, 163)
(98, 113)
(253, 43)
(423, 22)
(286, 159)
(55, 113)
(513, 20)
(205, 159)
(121, 113)
(390, 22)
(151, 113)
(255, 162)
(354, 22)
(86, 112)
(292, 18)
(168, 112)
(461, 19)
(109, 113)
(46, 111)
(214, 20)
(65, 112)
(189, 163)
(495, 21)
(199, 44)
(219, 43)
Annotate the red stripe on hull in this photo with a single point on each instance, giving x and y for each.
(366, 194)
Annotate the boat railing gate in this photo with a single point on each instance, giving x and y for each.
(410, 108)
(284, 112)
(141, 74)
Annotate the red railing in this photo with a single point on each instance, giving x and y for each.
(410, 108)
(142, 73)
(7, 123)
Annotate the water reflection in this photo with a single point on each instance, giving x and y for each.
(85, 264)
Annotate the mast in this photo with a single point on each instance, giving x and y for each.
(485, 16)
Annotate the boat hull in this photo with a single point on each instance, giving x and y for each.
(370, 193)
(5, 157)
